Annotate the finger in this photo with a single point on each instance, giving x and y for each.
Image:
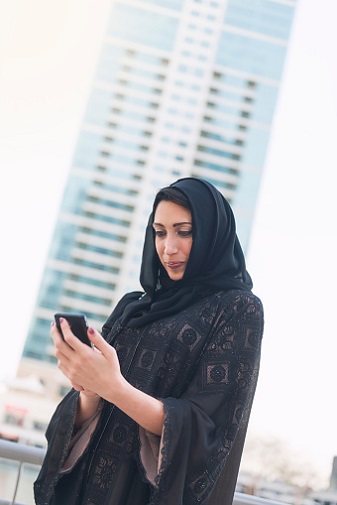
(77, 387)
(71, 374)
(70, 338)
(59, 341)
(96, 338)
(56, 335)
(63, 369)
(62, 348)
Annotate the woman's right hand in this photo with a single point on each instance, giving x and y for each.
(97, 370)
(93, 368)
(88, 400)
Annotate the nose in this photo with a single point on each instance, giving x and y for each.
(170, 245)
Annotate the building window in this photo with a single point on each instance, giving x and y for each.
(251, 84)
(14, 415)
(39, 425)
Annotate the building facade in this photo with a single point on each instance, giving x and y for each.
(182, 88)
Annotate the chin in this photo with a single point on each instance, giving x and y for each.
(175, 276)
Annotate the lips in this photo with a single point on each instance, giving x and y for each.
(175, 264)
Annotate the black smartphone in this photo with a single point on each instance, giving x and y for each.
(77, 323)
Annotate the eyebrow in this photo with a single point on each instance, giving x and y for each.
(175, 224)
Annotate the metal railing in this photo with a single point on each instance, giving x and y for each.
(248, 499)
(25, 454)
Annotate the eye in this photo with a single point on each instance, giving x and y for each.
(185, 233)
(159, 233)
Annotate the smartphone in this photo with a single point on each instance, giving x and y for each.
(77, 323)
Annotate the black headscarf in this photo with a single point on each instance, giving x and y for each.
(216, 261)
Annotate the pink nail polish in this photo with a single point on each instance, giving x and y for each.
(91, 331)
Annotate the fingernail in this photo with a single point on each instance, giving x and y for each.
(91, 331)
(61, 319)
(52, 324)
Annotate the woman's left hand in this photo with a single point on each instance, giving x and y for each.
(95, 369)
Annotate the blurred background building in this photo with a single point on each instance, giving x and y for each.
(182, 88)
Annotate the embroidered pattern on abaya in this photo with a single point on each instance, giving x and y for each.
(205, 400)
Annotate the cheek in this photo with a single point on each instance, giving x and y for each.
(188, 247)
(158, 247)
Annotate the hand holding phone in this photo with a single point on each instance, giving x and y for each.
(77, 323)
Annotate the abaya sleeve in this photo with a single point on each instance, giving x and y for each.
(204, 429)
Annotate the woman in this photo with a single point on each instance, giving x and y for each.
(159, 408)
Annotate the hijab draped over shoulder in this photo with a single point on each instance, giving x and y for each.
(216, 260)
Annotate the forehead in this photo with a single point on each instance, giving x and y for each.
(169, 212)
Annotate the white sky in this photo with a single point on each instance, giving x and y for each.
(47, 60)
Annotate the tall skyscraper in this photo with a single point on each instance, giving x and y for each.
(182, 87)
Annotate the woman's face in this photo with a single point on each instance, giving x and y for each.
(173, 237)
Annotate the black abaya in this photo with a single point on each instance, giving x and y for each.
(195, 345)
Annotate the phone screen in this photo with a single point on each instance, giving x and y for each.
(77, 323)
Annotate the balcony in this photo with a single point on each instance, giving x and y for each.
(20, 464)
